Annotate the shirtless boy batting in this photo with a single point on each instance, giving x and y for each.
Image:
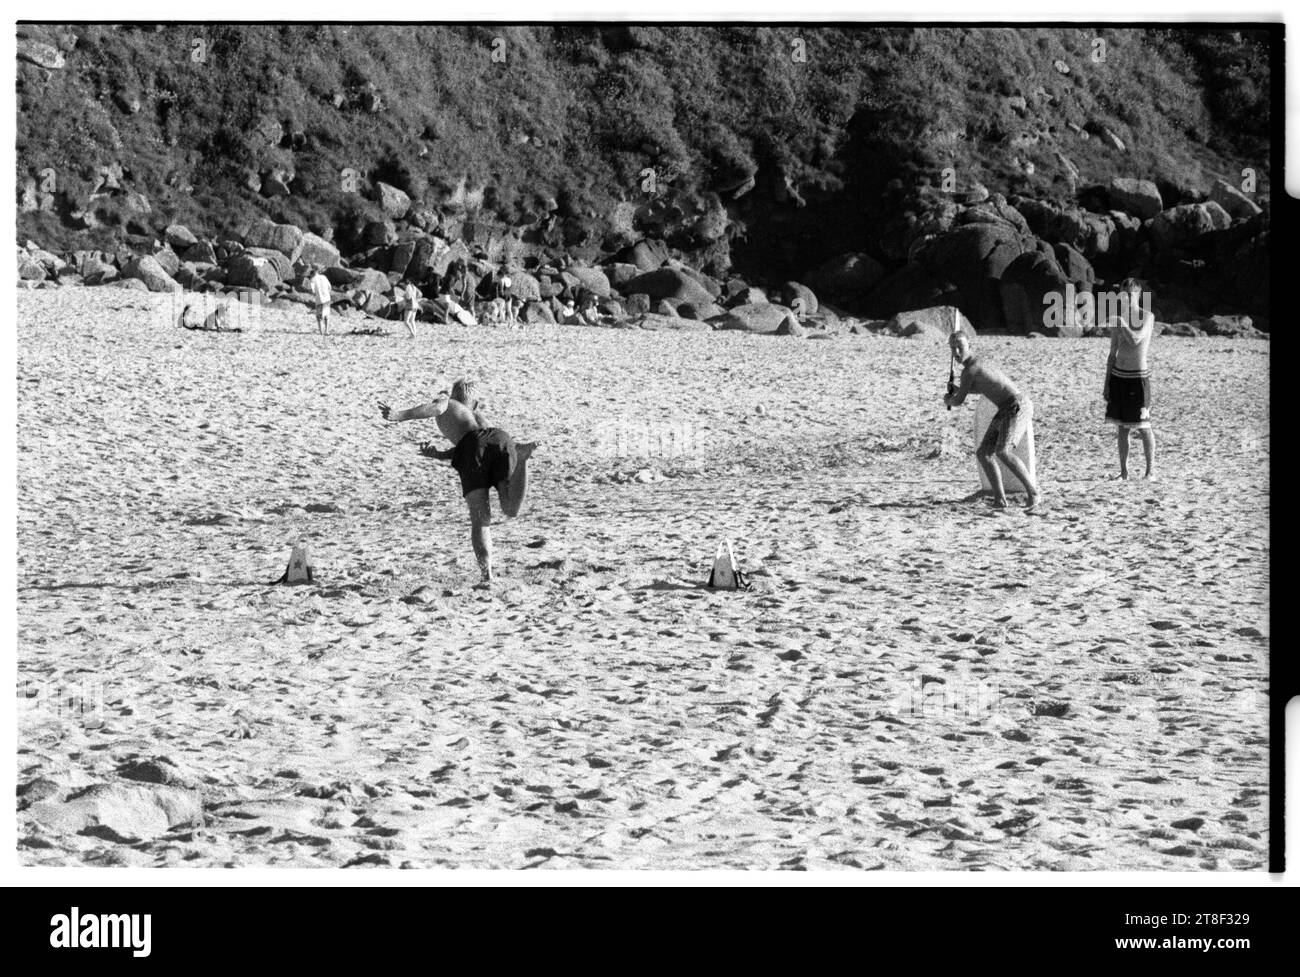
(1009, 424)
(485, 457)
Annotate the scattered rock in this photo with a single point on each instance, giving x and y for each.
(43, 55)
(394, 202)
(1237, 205)
(179, 237)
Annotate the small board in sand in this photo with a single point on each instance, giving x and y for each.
(725, 575)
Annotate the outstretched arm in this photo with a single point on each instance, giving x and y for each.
(419, 412)
(429, 451)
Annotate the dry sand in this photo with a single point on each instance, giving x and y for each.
(915, 681)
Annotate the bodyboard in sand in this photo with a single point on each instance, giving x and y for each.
(725, 575)
(299, 570)
(984, 411)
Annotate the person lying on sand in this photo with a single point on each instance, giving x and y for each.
(485, 457)
(1127, 388)
(1009, 424)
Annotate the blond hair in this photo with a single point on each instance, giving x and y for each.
(463, 391)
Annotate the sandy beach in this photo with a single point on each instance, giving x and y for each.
(915, 681)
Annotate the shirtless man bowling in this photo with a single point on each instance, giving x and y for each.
(1009, 424)
(484, 457)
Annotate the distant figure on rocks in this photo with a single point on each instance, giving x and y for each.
(1127, 388)
(455, 282)
(411, 305)
(1009, 424)
(322, 295)
(485, 457)
(588, 312)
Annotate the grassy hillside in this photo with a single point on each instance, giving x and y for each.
(575, 114)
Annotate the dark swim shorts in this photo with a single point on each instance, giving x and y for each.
(1129, 403)
(483, 458)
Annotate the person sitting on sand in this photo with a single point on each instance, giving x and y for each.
(588, 311)
(1009, 424)
(322, 294)
(1127, 388)
(410, 305)
(485, 457)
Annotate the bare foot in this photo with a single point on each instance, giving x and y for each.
(1034, 499)
(1000, 502)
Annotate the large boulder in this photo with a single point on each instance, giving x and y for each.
(749, 295)
(200, 253)
(713, 287)
(699, 310)
(619, 273)
(400, 255)
(284, 238)
(146, 269)
(1237, 205)
(168, 261)
(1141, 198)
(1054, 224)
(249, 270)
(763, 318)
(592, 279)
(1185, 225)
(394, 202)
(934, 324)
(1033, 277)
(282, 265)
(317, 251)
(668, 283)
(961, 267)
(646, 255)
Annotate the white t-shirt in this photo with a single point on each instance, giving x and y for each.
(320, 288)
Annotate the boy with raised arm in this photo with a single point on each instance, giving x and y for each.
(485, 457)
(1127, 388)
(1009, 424)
